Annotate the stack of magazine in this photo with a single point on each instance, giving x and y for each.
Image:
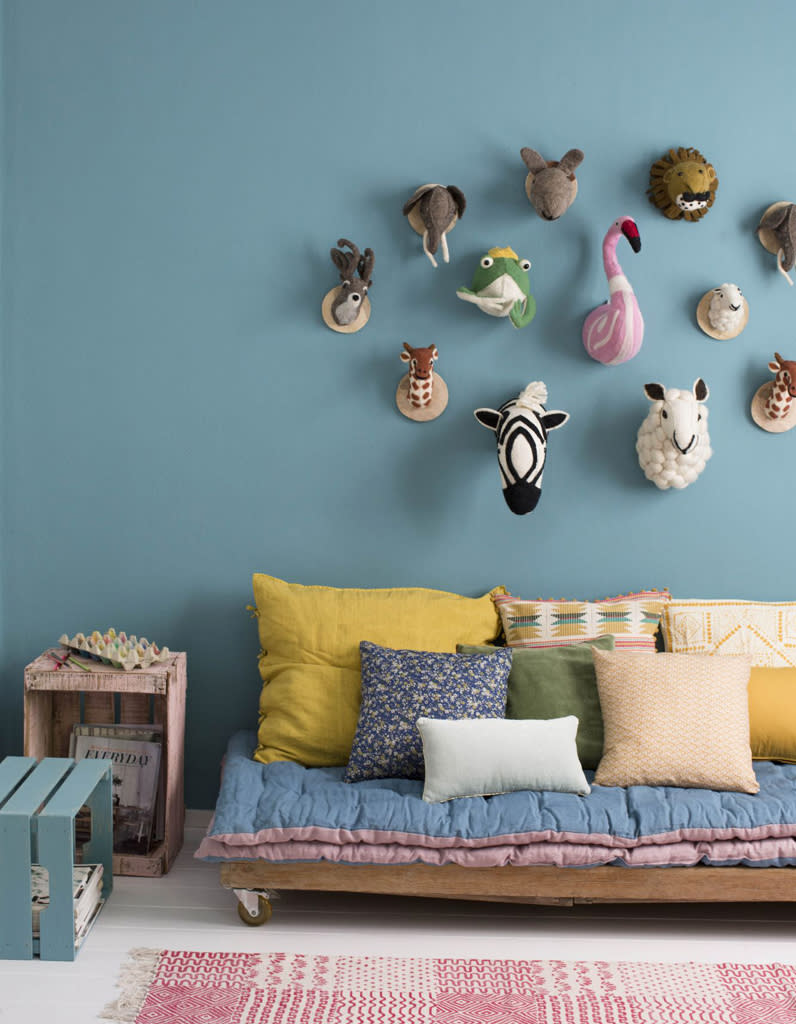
(86, 895)
(134, 752)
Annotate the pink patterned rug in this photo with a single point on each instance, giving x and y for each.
(168, 987)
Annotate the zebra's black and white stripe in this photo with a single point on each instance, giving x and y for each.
(521, 426)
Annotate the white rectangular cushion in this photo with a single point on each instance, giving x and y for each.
(487, 756)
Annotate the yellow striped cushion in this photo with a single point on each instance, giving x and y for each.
(633, 620)
(763, 630)
(674, 720)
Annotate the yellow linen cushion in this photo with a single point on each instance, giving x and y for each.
(772, 714)
(633, 619)
(674, 720)
(309, 658)
(765, 631)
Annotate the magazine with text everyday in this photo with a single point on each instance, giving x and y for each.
(135, 772)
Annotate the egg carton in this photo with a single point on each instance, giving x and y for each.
(117, 649)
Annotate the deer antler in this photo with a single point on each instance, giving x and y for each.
(346, 262)
(366, 267)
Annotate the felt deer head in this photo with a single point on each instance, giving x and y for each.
(355, 280)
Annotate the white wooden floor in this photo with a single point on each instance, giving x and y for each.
(188, 909)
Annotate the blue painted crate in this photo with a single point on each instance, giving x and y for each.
(38, 805)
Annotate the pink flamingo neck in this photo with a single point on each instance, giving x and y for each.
(610, 262)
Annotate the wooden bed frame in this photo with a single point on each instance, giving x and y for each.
(549, 886)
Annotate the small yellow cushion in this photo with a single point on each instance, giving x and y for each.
(675, 720)
(772, 714)
(309, 660)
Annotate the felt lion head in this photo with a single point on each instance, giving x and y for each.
(683, 184)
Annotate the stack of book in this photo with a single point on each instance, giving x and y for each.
(86, 896)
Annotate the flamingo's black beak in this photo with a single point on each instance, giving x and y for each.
(630, 231)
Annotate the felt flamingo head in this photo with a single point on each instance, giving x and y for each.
(628, 227)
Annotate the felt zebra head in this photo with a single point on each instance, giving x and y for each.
(521, 426)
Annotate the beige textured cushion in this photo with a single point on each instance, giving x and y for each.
(675, 720)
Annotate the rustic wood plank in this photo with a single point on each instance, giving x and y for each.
(98, 708)
(173, 752)
(65, 713)
(38, 721)
(700, 884)
(135, 709)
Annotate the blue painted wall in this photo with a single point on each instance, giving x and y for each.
(175, 414)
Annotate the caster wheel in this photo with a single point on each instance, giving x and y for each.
(264, 911)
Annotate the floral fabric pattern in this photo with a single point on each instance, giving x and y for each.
(398, 687)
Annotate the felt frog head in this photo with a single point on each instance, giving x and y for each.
(501, 287)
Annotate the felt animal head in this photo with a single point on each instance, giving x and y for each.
(683, 184)
(785, 369)
(726, 309)
(432, 211)
(673, 444)
(421, 360)
(355, 280)
(683, 418)
(521, 426)
(501, 287)
(551, 185)
(777, 232)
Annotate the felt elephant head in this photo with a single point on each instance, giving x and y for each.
(434, 210)
(551, 185)
(777, 232)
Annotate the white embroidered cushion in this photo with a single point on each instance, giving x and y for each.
(766, 631)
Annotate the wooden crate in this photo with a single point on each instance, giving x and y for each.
(55, 699)
(38, 805)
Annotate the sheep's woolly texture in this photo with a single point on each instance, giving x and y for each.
(663, 463)
(726, 312)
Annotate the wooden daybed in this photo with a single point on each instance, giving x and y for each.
(549, 886)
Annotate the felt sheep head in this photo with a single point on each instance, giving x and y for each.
(673, 444)
(551, 185)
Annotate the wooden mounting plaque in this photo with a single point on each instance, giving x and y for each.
(704, 321)
(436, 406)
(329, 320)
(763, 420)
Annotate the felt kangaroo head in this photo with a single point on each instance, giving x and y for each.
(355, 279)
(551, 185)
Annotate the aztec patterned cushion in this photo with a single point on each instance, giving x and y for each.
(632, 618)
(675, 720)
(398, 687)
(765, 631)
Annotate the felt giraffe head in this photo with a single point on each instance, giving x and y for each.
(785, 370)
(421, 360)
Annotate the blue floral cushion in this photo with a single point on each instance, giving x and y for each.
(398, 687)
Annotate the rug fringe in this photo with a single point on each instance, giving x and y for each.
(135, 978)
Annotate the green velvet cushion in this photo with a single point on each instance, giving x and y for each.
(553, 682)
